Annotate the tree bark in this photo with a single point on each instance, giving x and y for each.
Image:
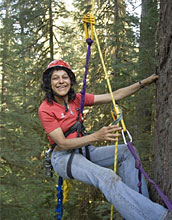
(162, 163)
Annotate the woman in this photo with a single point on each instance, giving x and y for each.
(60, 111)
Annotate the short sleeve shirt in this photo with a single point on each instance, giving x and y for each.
(53, 115)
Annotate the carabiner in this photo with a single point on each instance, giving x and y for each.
(129, 135)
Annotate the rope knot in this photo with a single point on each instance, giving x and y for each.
(89, 21)
(89, 41)
(89, 18)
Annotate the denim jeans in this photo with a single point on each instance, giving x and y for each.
(120, 190)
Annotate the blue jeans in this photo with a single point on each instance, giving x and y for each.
(122, 190)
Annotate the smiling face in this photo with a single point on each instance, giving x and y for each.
(60, 82)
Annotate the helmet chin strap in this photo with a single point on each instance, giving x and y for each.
(65, 104)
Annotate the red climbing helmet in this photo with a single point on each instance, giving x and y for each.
(63, 65)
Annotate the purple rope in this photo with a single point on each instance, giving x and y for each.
(141, 170)
(83, 91)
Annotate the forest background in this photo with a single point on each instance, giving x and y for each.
(35, 32)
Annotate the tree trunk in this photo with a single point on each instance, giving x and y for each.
(51, 31)
(162, 163)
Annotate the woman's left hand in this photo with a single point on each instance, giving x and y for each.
(150, 79)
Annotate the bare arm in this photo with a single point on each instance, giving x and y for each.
(124, 92)
(106, 133)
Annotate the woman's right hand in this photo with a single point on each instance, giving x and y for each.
(109, 133)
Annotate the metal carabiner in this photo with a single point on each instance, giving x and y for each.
(129, 135)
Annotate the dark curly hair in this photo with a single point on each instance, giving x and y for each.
(46, 84)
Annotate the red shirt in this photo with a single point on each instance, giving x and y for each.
(53, 116)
